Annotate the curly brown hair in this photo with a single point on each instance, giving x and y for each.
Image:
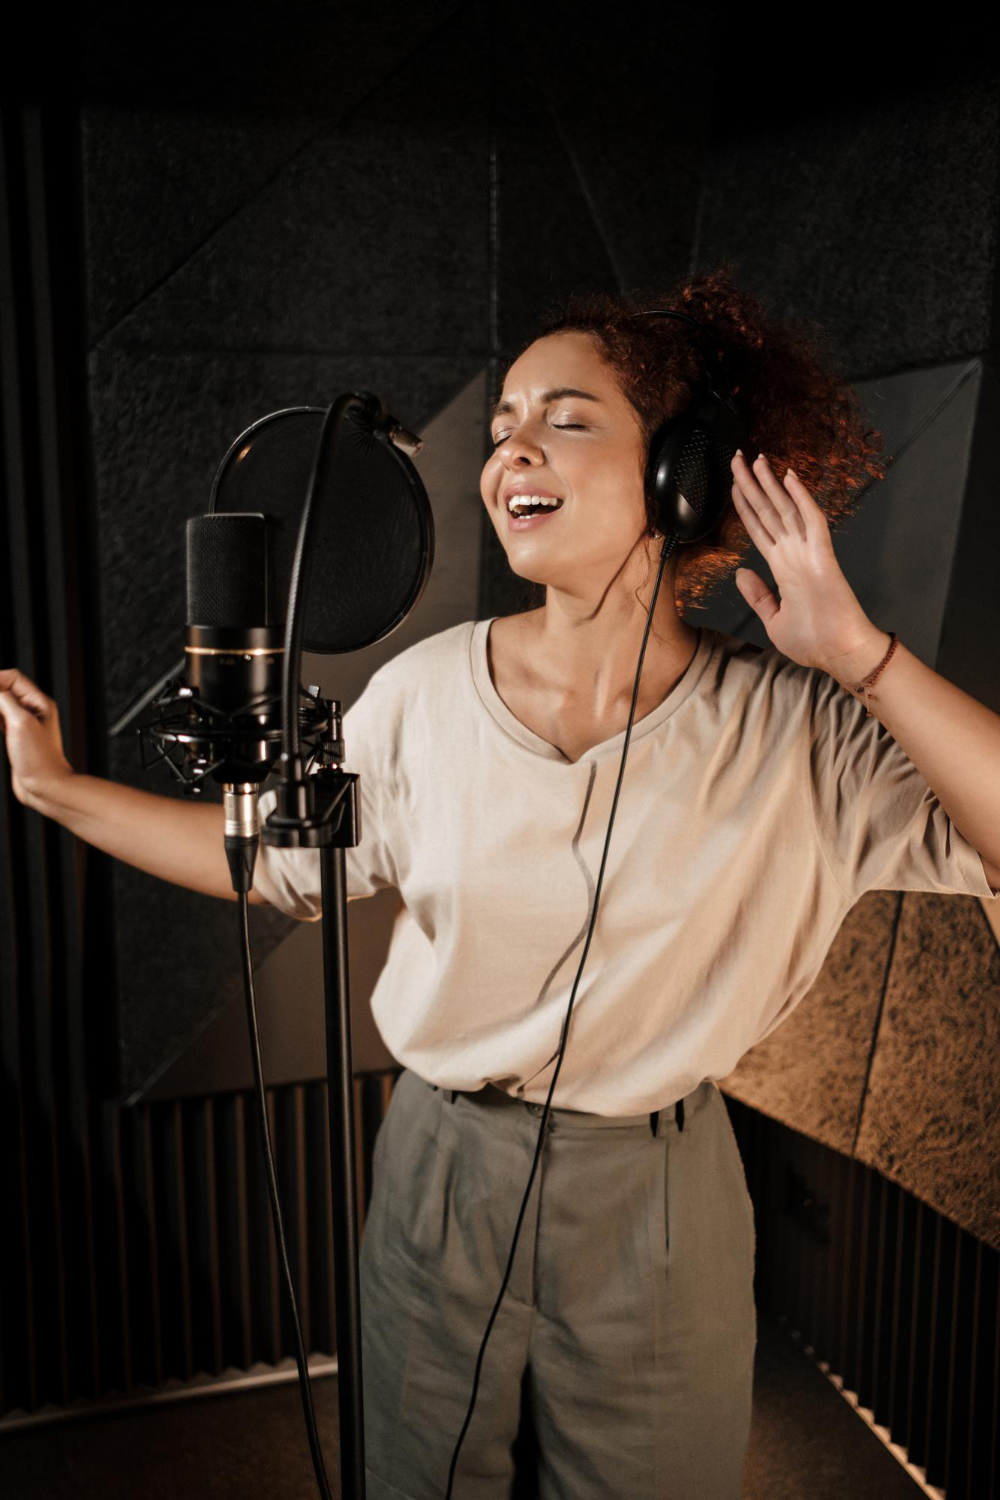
(800, 411)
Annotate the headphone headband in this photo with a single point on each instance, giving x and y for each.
(665, 312)
(709, 356)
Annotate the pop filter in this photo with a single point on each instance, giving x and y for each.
(374, 543)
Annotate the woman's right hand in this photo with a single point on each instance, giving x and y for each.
(29, 721)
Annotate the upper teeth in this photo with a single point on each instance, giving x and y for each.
(514, 500)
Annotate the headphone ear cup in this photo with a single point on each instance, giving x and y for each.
(656, 493)
(688, 469)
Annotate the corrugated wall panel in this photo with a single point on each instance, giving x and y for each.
(896, 1301)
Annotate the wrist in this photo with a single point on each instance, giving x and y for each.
(853, 664)
(48, 795)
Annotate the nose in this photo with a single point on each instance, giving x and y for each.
(519, 452)
(519, 449)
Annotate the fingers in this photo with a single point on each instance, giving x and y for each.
(10, 711)
(757, 532)
(775, 510)
(816, 524)
(757, 594)
(19, 693)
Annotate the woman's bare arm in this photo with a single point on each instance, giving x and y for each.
(174, 839)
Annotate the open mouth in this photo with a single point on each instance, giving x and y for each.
(522, 506)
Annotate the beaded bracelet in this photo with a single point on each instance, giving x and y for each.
(864, 686)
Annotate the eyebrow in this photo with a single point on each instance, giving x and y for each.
(547, 396)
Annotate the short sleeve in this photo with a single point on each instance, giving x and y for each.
(879, 824)
(290, 878)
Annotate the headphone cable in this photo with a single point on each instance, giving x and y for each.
(668, 547)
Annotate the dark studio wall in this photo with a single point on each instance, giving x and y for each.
(239, 222)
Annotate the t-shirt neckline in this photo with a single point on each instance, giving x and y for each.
(498, 710)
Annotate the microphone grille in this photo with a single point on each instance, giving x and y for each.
(230, 578)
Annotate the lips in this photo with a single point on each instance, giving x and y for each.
(538, 518)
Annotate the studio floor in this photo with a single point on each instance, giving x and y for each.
(806, 1444)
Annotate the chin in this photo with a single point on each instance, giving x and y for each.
(562, 568)
(533, 570)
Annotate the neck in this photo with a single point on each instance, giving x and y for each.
(587, 649)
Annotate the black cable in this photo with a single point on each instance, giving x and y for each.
(272, 1185)
(665, 553)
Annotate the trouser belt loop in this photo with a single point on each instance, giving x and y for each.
(680, 1114)
(449, 1094)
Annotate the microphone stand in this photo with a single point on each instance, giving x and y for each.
(334, 827)
(340, 1096)
(225, 743)
(322, 811)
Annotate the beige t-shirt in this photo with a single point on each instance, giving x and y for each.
(758, 804)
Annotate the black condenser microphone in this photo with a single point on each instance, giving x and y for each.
(234, 647)
(222, 716)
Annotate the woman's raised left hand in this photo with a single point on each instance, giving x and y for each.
(818, 621)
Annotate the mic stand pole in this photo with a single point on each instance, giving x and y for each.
(334, 827)
(322, 811)
(340, 1094)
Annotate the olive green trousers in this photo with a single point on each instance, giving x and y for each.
(620, 1363)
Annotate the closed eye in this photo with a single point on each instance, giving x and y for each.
(578, 426)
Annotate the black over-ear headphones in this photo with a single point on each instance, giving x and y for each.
(688, 473)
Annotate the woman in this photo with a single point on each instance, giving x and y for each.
(760, 800)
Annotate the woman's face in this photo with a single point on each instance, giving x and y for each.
(568, 432)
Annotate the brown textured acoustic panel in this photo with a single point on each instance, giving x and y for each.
(810, 1073)
(931, 1116)
(891, 1056)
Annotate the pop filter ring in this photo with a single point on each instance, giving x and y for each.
(417, 493)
